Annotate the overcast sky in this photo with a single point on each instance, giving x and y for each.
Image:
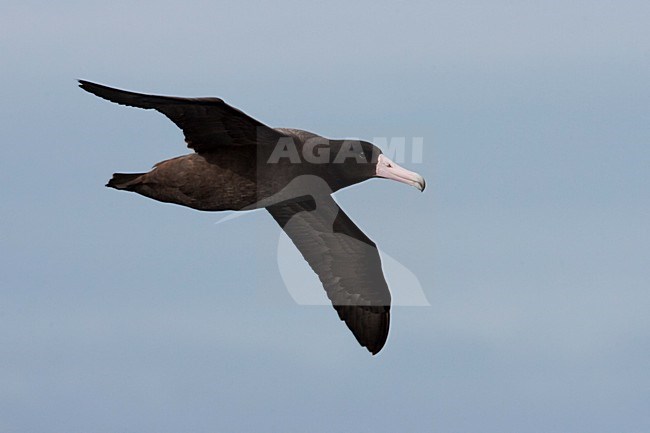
(531, 242)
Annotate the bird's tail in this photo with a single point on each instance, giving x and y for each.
(124, 180)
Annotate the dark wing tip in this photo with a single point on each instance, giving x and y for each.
(375, 348)
(114, 95)
(89, 86)
(146, 101)
(377, 343)
(131, 99)
(369, 324)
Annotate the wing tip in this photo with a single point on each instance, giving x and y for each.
(84, 83)
(376, 346)
(372, 336)
(91, 87)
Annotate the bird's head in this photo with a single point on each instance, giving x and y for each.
(362, 160)
(353, 161)
(388, 169)
(379, 165)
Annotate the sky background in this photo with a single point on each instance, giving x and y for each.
(531, 242)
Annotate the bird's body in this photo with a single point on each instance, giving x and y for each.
(242, 164)
(202, 182)
(230, 178)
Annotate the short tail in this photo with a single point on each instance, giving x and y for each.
(124, 180)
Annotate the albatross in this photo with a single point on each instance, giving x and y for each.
(241, 164)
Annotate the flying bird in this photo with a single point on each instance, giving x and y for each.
(241, 164)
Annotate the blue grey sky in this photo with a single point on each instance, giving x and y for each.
(532, 241)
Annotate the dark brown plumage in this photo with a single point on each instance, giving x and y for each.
(240, 163)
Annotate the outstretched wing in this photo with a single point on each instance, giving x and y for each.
(346, 261)
(206, 122)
